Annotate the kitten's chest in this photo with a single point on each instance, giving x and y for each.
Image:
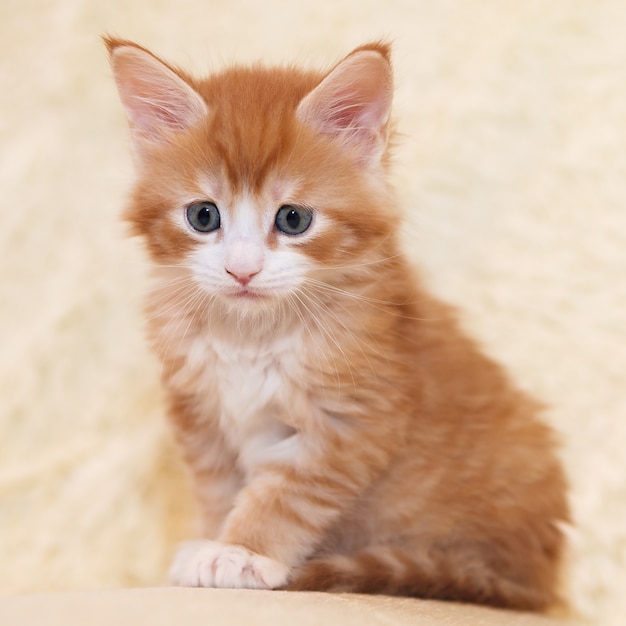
(246, 387)
(250, 381)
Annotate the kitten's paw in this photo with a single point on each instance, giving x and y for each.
(214, 564)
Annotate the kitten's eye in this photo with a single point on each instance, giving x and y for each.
(293, 220)
(203, 216)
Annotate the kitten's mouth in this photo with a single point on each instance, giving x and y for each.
(248, 294)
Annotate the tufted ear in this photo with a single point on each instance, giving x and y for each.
(157, 99)
(353, 102)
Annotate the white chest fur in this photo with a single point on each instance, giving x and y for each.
(248, 378)
(253, 383)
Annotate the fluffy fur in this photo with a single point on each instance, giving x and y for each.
(343, 433)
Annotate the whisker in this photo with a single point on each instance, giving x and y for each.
(324, 336)
(338, 319)
(320, 351)
(386, 306)
(344, 292)
(185, 309)
(175, 303)
(330, 335)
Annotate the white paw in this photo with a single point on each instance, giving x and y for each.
(214, 564)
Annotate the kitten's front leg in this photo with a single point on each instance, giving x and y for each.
(282, 515)
(213, 465)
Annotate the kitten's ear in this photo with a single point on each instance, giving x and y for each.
(156, 98)
(353, 102)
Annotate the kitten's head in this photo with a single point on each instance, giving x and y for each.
(264, 185)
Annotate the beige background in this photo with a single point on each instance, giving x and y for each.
(512, 169)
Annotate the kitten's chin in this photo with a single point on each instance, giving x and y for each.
(250, 301)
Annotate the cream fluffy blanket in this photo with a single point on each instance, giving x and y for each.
(512, 168)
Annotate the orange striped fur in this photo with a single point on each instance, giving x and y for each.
(343, 432)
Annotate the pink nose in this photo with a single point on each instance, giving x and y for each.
(242, 279)
(244, 259)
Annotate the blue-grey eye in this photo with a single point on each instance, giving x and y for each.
(203, 216)
(293, 220)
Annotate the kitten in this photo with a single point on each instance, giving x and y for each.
(343, 433)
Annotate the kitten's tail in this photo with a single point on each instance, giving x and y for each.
(392, 571)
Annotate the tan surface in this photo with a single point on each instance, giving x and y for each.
(512, 168)
(210, 607)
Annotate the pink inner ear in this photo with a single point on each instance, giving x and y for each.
(154, 116)
(156, 99)
(348, 112)
(343, 112)
(353, 100)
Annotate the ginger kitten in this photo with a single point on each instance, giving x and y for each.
(343, 433)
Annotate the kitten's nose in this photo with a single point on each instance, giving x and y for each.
(244, 260)
(242, 279)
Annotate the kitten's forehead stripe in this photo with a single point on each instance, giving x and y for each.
(252, 124)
